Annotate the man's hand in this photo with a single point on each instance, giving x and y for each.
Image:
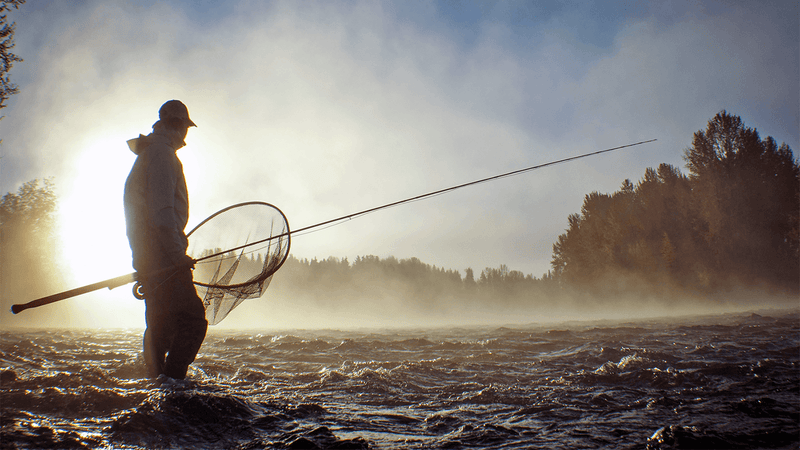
(183, 261)
(187, 262)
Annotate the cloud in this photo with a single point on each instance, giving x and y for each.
(672, 79)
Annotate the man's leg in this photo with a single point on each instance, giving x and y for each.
(188, 320)
(155, 340)
(153, 354)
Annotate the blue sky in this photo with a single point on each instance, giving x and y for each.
(328, 108)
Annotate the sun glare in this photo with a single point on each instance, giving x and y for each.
(91, 217)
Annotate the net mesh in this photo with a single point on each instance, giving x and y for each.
(256, 239)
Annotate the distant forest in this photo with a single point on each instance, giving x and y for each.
(732, 223)
(421, 286)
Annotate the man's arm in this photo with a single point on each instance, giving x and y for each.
(162, 182)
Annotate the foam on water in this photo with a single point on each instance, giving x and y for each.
(713, 382)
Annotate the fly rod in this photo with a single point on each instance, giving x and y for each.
(125, 279)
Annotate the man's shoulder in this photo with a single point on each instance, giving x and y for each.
(159, 142)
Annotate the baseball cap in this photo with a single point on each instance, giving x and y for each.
(175, 109)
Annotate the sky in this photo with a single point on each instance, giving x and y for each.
(329, 108)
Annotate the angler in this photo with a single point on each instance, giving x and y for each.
(156, 214)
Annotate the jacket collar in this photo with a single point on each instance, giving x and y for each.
(172, 137)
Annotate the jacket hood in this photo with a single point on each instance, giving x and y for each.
(160, 134)
(138, 144)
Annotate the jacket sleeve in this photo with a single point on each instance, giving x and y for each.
(162, 182)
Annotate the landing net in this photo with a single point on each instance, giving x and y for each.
(237, 251)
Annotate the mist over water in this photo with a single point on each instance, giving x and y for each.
(284, 308)
(723, 381)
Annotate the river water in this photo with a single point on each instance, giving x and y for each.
(724, 381)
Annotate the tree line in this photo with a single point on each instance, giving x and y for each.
(419, 285)
(732, 222)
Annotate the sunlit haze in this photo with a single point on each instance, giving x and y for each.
(328, 108)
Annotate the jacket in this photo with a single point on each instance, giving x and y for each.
(156, 202)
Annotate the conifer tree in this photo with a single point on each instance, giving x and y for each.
(732, 222)
(7, 59)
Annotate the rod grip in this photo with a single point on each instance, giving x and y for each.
(111, 283)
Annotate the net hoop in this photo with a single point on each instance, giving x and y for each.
(287, 235)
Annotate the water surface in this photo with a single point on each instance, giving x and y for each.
(728, 381)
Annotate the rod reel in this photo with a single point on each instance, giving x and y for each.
(138, 290)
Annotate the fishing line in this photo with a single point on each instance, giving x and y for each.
(333, 222)
(459, 186)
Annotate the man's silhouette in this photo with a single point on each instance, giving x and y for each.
(156, 212)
